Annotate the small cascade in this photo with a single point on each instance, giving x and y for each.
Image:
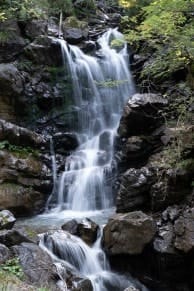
(70, 252)
(101, 85)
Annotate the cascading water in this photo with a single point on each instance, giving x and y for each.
(101, 85)
(72, 253)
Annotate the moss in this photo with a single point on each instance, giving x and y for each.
(19, 151)
(72, 21)
(117, 43)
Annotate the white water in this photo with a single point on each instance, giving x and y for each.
(101, 86)
(70, 252)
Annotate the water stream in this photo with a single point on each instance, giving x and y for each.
(101, 85)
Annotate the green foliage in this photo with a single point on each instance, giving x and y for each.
(58, 6)
(24, 9)
(13, 266)
(168, 28)
(117, 43)
(111, 83)
(19, 150)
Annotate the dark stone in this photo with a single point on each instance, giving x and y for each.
(35, 28)
(7, 219)
(64, 142)
(71, 226)
(134, 186)
(173, 188)
(88, 231)
(12, 237)
(19, 135)
(10, 81)
(14, 42)
(128, 233)
(45, 50)
(142, 115)
(82, 285)
(135, 151)
(74, 30)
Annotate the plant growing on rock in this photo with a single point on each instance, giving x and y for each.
(13, 266)
(167, 27)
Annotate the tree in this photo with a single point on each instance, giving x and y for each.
(168, 28)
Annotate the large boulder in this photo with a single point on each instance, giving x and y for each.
(74, 30)
(21, 136)
(13, 42)
(87, 229)
(128, 233)
(142, 115)
(12, 237)
(37, 265)
(134, 186)
(25, 182)
(35, 28)
(135, 150)
(11, 84)
(45, 50)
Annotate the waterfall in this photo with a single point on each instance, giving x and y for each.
(101, 85)
(71, 253)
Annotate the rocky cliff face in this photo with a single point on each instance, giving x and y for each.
(156, 174)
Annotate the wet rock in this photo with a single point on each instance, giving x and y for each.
(74, 30)
(64, 142)
(134, 186)
(87, 230)
(17, 135)
(71, 226)
(164, 240)
(45, 50)
(128, 233)
(37, 264)
(7, 219)
(12, 237)
(82, 285)
(131, 288)
(142, 115)
(5, 253)
(14, 42)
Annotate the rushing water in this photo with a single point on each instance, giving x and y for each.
(101, 86)
(90, 262)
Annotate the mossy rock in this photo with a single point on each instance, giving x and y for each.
(73, 22)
